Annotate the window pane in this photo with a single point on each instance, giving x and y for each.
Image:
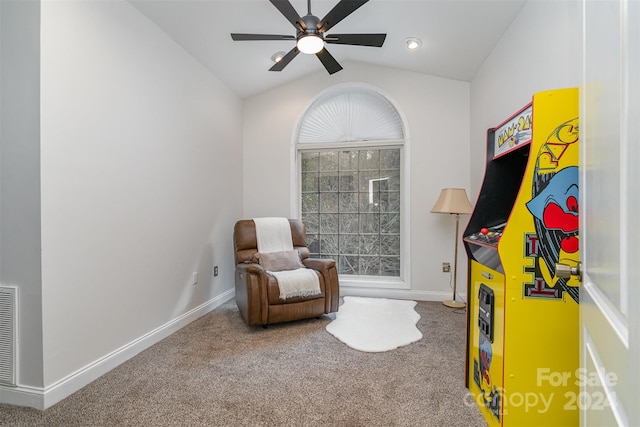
(348, 203)
(369, 160)
(393, 181)
(348, 264)
(351, 208)
(310, 161)
(390, 223)
(370, 202)
(349, 224)
(349, 244)
(313, 244)
(310, 202)
(310, 182)
(369, 223)
(389, 244)
(390, 201)
(370, 265)
(328, 181)
(390, 266)
(311, 222)
(349, 181)
(370, 244)
(349, 160)
(329, 202)
(329, 161)
(389, 159)
(329, 223)
(329, 244)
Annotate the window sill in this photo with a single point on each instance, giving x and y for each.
(373, 282)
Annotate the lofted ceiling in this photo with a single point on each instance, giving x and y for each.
(456, 35)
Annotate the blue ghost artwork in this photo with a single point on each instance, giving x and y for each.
(557, 207)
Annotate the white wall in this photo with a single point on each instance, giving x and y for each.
(20, 176)
(541, 50)
(436, 111)
(140, 182)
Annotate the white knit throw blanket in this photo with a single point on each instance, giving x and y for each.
(302, 282)
(274, 235)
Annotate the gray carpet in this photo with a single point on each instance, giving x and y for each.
(219, 372)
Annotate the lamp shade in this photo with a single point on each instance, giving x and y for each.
(452, 201)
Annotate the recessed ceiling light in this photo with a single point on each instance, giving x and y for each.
(276, 57)
(413, 43)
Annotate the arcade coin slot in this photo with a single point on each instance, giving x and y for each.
(485, 312)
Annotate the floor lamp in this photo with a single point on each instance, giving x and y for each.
(453, 201)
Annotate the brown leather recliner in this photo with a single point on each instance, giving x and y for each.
(257, 292)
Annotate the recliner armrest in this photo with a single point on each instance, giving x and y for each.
(251, 267)
(318, 263)
(251, 293)
(327, 268)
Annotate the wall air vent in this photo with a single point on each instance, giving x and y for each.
(8, 304)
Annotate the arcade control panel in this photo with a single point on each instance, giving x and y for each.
(488, 236)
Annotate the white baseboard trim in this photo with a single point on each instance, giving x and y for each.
(397, 294)
(43, 398)
(22, 396)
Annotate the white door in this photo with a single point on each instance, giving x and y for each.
(609, 375)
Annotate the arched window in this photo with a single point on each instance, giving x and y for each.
(350, 150)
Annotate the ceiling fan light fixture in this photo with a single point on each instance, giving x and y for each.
(310, 44)
(310, 31)
(413, 43)
(277, 57)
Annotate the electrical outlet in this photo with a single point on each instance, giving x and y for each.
(215, 271)
(446, 267)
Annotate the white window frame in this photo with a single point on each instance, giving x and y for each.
(357, 281)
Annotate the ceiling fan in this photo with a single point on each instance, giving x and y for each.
(310, 33)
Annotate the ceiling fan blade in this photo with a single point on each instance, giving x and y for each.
(241, 37)
(278, 66)
(328, 61)
(374, 40)
(340, 11)
(289, 12)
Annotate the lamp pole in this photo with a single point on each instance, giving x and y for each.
(453, 303)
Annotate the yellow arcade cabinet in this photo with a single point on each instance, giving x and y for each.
(522, 320)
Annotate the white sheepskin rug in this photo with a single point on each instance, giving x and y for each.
(375, 324)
